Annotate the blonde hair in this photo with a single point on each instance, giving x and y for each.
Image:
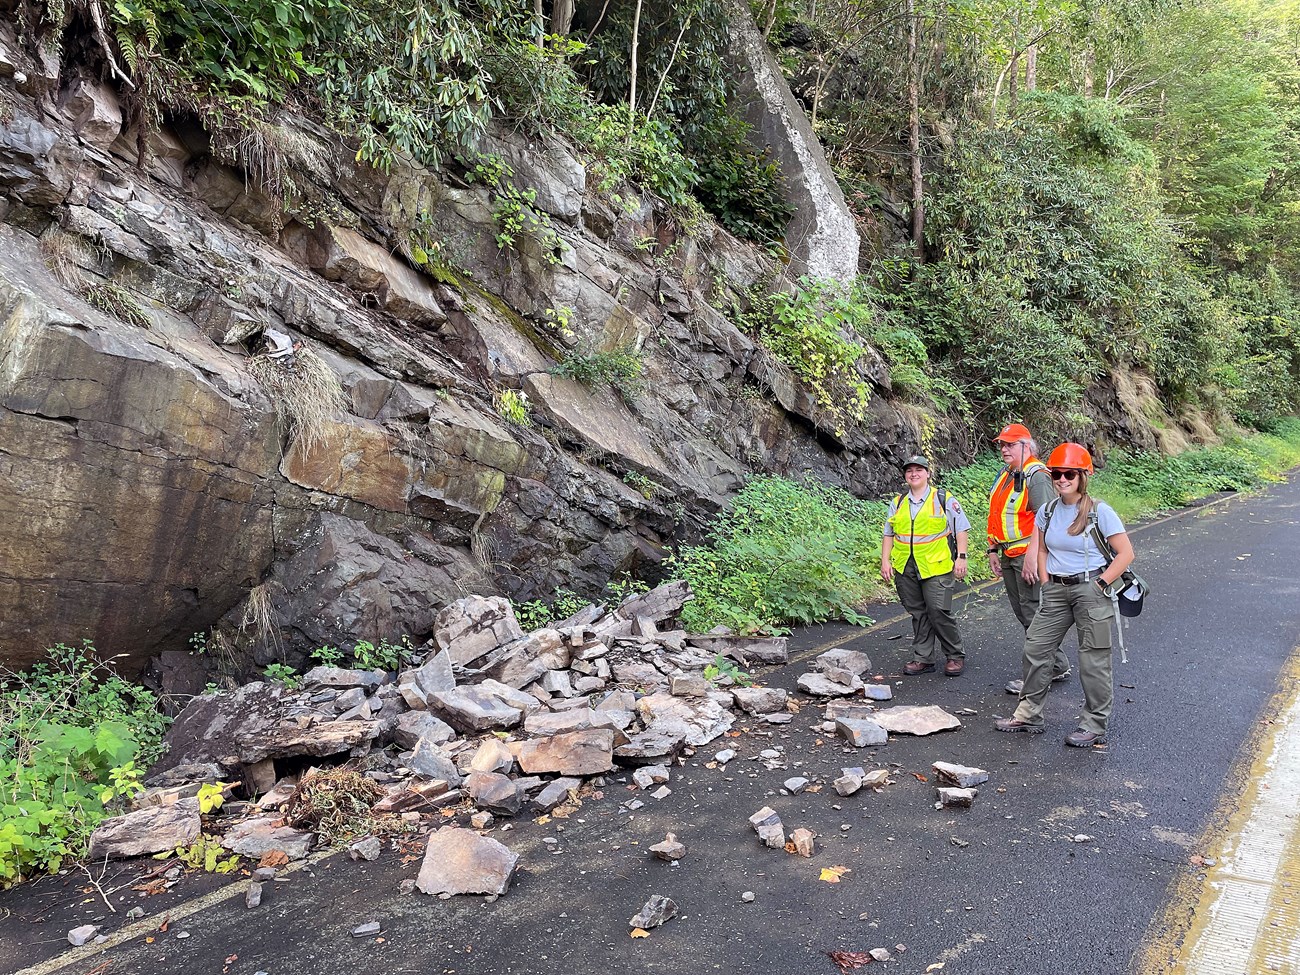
(1086, 504)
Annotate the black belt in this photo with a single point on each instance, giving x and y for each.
(1075, 579)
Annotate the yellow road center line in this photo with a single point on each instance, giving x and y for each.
(172, 915)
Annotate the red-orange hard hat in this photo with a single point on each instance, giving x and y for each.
(1070, 456)
(1013, 433)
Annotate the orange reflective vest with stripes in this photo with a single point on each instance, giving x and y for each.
(924, 538)
(1011, 520)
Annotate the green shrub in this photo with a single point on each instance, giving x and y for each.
(621, 368)
(639, 150)
(783, 552)
(817, 331)
(1137, 484)
(74, 738)
(537, 613)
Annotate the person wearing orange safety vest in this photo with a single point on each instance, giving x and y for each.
(1022, 487)
(1083, 552)
(917, 557)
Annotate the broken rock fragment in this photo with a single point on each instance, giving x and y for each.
(750, 651)
(575, 753)
(656, 911)
(429, 761)
(704, 719)
(760, 700)
(960, 775)
(861, 733)
(555, 793)
(255, 837)
(848, 784)
(925, 720)
(802, 839)
(660, 742)
(460, 861)
(494, 792)
(956, 797)
(367, 849)
(79, 936)
(670, 849)
(149, 830)
(475, 625)
(469, 709)
(412, 726)
(492, 756)
(318, 740)
(854, 661)
(820, 685)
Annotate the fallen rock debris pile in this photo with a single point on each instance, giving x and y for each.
(502, 721)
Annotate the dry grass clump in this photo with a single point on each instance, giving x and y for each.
(306, 392)
(259, 617)
(335, 804)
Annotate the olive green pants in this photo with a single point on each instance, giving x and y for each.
(929, 602)
(1024, 602)
(1083, 606)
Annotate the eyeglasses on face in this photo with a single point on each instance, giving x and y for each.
(1064, 475)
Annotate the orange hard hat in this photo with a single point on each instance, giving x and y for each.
(1070, 456)
(1013, 433)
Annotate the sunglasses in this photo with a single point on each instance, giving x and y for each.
(1064, 475)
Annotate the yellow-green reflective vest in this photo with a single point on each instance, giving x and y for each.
(924, 539)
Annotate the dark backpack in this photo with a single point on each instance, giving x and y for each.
(1134, 589)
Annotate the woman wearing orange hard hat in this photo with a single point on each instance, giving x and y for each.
(1082, 552)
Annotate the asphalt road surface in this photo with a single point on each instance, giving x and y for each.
(1006, 886)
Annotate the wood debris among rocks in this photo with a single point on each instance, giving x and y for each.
(511, 722)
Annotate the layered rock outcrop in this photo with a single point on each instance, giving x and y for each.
(156, 467)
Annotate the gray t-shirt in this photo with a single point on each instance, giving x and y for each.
(1069, 554)
(957, 519)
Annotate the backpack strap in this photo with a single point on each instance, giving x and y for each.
(1049, 509)
(1098, 538)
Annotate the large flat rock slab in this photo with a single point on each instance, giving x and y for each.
(147, 831)
(923, 720)
(587, 752)
(460, 861)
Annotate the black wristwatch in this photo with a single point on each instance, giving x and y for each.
(961, 555)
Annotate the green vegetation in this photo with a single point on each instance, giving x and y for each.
(620, 368)
(381, 656)
(512, 405)
(74, 739)
(1139, 484)
(206, 854)
(788, 551)
(1094, 188)
(533, 614)
(282, 674)
(424, 79)
(723, 668)
(783, 552)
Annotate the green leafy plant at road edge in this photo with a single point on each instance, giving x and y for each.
(74, 739)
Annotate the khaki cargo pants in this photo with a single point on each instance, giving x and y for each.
(1024, 602)
(1062, 607)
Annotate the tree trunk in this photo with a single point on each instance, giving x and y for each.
(914, 134)
(561, 17)
(1089, 72)
(631, 94)
(1031, 68)
(539, 24)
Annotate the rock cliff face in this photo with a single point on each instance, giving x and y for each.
(157, 463)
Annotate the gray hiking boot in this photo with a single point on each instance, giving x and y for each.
(1016, 686)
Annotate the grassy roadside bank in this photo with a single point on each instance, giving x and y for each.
(798, 551)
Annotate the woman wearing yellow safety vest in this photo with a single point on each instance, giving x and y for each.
(917, 557)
